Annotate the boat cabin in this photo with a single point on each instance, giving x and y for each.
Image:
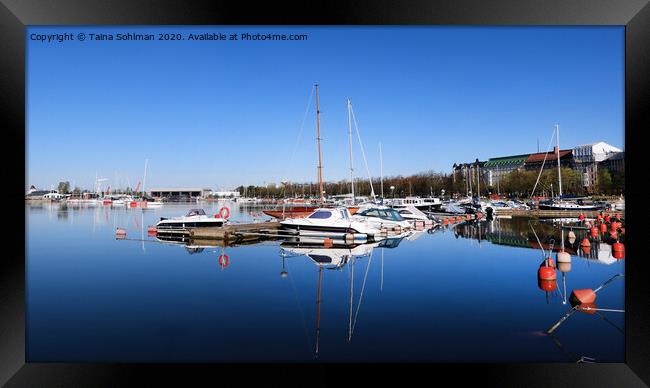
(384, 214)
(195, 212)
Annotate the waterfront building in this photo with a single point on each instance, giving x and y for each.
(496, 168)
(225, 194)
(470, 173)
(179, 193)
(589, 156)
(535, 161)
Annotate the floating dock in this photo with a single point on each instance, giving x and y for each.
(536, 213)
(239, 233)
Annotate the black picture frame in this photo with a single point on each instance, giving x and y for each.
(15, 15)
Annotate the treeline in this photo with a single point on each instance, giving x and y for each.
(518, 183)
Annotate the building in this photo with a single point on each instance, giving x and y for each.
(535, 161)
(614, 163)
(589, 156)
(496, 168)
(470, 174)
(180, 193)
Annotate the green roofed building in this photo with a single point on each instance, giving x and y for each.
(496, 168)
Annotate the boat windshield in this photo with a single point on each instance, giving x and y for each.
(195, 212)
(385, 214)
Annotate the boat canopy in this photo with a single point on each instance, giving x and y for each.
(195, 212)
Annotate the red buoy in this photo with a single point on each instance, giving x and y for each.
(603, 228)
(581, 217)
(546, 273)
(618, 254)
(445, 221)
(618, 247)
(586, 250)
(547, 285)
(585, 243)
(607, 218)
(586, 295)
(594, 232)
(588, 308)
(599, 218)
(613, 234)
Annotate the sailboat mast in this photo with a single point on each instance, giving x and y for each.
(144, 179)
(381, 172)
(559, 174)
(320, 158)
(351, 160)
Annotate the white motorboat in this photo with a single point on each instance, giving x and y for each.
(416, 216)
(429, 203)
(193, 219)
(336, 222)
(382, 217)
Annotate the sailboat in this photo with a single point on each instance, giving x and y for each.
(558, 203)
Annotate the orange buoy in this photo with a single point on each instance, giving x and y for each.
(586, 295)
(586, 250)
(618, 254)
(599, 218)
(564, 266)
(613, 234)
(585, 242)
(603, 228)
(581, 217)
(563, 257)
(547, 285)
(546, 273)
(607, 218)
(588, 308)
(618, 247)
(594, 232)
(445, 221)
(151, 229)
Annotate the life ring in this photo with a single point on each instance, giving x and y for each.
(224, 261)
(221, 211)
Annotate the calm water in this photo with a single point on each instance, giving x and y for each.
(461, 293)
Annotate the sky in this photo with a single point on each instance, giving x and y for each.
(220, 114)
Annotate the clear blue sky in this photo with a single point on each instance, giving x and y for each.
(221, 114)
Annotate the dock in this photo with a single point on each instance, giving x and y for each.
(239, 233)
(536, 213)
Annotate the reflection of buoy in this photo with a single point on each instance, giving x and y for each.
(599, 218)
(581, 217)
(563, 257)
(586, 250)
(586, 295)
(607, 218)
(564, 266)
(603, 228)
(613, 234)
(585, 242)
(572, 234)
(445, 221)
(224, 260)
(152, 230)
(546, 273)
(594, 232)
(479, 215)
(120, 232)
(587, 308)
(547, 285)
(572, 240)
(618, 254)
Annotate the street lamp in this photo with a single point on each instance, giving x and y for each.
(392, 189)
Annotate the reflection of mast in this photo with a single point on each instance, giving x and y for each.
(320, 283)
(351, 296)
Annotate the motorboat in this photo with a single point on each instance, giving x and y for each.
(382, 217)
(193, 219)
(416, 216)
(556, 204)
(336, 223)
(429, 203)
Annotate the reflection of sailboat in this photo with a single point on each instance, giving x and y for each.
(334, 258)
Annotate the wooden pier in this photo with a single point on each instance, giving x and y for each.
(238, 233)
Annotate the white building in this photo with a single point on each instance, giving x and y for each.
(225, 194)
(587, 157)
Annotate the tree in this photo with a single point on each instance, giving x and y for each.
(604, 181)
(64, 187)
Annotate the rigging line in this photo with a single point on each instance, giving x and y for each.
(302, 125)
(539, 242)
(363, 286)
(363, 152)
(544, 161)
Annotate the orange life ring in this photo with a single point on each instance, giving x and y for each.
(227, 212)
(224, 261)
